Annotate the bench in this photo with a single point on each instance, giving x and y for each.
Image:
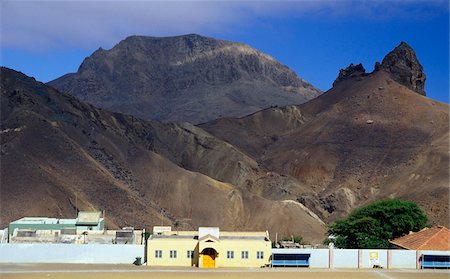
(435, 261)
(291, 260)
(294, 263)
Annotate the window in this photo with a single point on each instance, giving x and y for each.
(244, 255)
(158, 253)
(26, 233)
(173, 254)
(190, 254)
(260, 255)
(230, 254)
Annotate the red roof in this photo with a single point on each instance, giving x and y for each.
(435, 238)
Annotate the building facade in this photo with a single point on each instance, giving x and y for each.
(41, 223)
(208, 248)
(52, 230)
(90, 221)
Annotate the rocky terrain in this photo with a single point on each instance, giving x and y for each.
(187, 78)
(371, 136)
(59, 155)
(288, 169)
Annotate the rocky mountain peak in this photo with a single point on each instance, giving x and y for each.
(187, 78)
(403, 66)
(350, 72)
(182, 44)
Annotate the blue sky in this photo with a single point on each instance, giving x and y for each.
(47, 39)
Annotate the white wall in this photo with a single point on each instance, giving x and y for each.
(319, 258)
(70, 253)
(4, 236)
(365, 258)
(345, 258)
(403, 259)
(126, 254)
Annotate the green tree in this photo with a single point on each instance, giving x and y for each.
(373, 225)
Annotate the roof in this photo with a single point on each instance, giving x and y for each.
(174, 236)
(435, 238)
(245, 238)
(67, 221)
(161, 229)
(208, 237)
(86, 217)
(36, 220)
(205, 231)
(43, 221)
(223, 235)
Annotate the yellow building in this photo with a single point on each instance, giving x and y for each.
(208, 248)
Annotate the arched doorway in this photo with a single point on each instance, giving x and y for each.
(209, 258)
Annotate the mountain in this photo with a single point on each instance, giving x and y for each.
(59, 155)
(371, 136)
(187, 78)
(287, 169)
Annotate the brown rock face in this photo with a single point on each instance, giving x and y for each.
(59, 155)
(350, 72)
(187, 78)
(403, 66)
(370, 137)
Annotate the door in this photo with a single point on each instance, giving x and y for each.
(208, 261)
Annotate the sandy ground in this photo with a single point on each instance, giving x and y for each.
(126, 271)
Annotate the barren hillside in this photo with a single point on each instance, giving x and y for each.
(58, 153)
(369, 137)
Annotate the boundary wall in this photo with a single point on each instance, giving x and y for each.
(126, 254)
(362, 258)
(70, 253)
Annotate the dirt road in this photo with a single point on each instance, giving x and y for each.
(30, 271)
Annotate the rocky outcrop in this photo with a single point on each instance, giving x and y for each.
(403, 66)
(351, 71)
